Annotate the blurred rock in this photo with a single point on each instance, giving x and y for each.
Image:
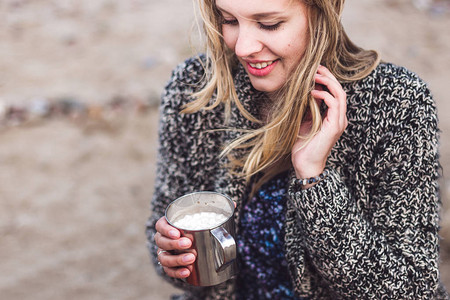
(435, 7)
(95, 112)
(422, 4)
(39, 108)
(3, 110)
(16, 115)
(440, 8)
(69, 107)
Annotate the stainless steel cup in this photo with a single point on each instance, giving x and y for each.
(215, 246)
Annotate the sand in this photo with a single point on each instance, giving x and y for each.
(75, 191)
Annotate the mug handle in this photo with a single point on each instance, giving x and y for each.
(228, 248)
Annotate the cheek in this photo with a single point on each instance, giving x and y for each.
(286, 46)
(295, 49)
(229, 37)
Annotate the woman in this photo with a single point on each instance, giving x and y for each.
(330, 156)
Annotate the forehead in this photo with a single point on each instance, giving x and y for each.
(252, 8)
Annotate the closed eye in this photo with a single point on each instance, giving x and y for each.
(263, 26)
(229, 21)
(270, 27)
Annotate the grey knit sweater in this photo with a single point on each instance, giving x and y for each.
(369, 230)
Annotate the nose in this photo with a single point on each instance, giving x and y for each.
(247, 43)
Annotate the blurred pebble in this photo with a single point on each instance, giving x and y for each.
(118, 103)
(69, 39)
(69, 107)
(422, 4)
(141, 106)
(3, 110)
(16, 4)
(39, 107)
(440, 8)
(95, 112)
(16, 115)
(436, 8)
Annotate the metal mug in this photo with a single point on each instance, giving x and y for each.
(215, 246)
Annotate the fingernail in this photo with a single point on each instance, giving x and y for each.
(184, 243)
(188, 258)
(173, 233)
(184, 273)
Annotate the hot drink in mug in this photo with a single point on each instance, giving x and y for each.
(207, 219)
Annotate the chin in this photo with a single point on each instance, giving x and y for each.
(264, 87)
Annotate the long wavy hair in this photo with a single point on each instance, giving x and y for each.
(267, 149)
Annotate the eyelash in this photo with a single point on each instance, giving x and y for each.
(270, 27)
(229, 22)
(262, 26)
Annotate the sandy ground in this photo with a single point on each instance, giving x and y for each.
(74, 193)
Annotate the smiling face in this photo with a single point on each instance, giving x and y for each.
(268, 37)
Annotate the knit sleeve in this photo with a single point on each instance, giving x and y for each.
(385, 246)
(172, 177)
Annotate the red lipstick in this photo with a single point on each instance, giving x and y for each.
(260, 72)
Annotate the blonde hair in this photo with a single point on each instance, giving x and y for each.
(271, 144)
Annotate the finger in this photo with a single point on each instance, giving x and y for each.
(333, 112)
(177, 272)
(179, 260)
(333, 86)
(326, 75)
(334, 119)
(166, 243)
(166, 229)
(322, 70)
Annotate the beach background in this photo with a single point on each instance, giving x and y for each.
(79, 89)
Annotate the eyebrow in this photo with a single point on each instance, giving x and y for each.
(257, 15)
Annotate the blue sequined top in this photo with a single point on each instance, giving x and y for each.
(263, 268)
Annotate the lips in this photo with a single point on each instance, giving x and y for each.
(261, 68)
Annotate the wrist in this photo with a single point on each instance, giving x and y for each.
(306, 182)
(307, 172)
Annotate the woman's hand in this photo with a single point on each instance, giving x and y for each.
(310, 161)
(168, 238)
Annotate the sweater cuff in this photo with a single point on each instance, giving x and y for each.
(326, 201)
